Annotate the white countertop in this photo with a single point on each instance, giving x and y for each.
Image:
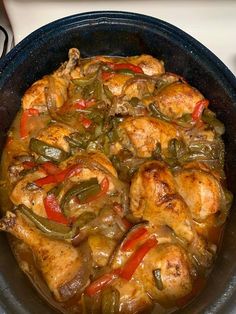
(212, 22)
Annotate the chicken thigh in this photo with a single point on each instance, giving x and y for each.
(154, 198)
(200, 190)
(177, 99)
(141, 135)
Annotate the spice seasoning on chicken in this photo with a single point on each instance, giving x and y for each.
(113, 183)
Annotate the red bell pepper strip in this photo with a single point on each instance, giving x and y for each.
(126, 272)
(126, 223)
(136, 258)
(29, 164)
(83, 104)
(80, 104)
(53, 210)
(122, 66)
(134, 238)
(86, 121)
(32, 112)
(104, 185)
(45, 180)
(106, 75)
(69, 172)
(101, 282)
(59, 177)
(50, 168)
(24, 120)
(199, 107)
(118, 209)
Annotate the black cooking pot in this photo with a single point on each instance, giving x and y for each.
(122, 34)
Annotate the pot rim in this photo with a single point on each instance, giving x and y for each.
(109, 16)
(207, 58)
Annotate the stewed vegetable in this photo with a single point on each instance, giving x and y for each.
(113, 186)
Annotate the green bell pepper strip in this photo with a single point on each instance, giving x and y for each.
(49, 227)
(157, 278)
(84, 219)
(48, 151)
(82, 191)
(156, 113)
(110, 301)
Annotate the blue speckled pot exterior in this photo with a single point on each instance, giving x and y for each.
(125, 34)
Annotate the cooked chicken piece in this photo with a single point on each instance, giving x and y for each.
(139, 88)
(198, 134)
(56, 91)
(145, 181)
(121, 84)
(14, 171)
(168, 78)
(102, 248)
(175, 270)
(67, 67)
(24, 192)
(141, 135)
(90, 66)
(149, 65)
(65, 269)
(200, 190)
(99, 167)
(198, 165)
(34, 97)
(116, 83)
(58, 82)
(76, 73)
(177, 99)
(55, 134)
(100, 158)
(154, 198)
(31, 198)
(174, 273)
(133, 298)
(91, 165)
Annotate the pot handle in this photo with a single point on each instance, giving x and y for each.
(6, 34)
(5, 41)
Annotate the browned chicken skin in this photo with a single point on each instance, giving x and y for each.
(175, 271)
(21, 194)
(141, 135)
(55, 135)
(133, 297)
(135, 165)
(176, 274)
(62, 265)
(58, 82)
(154, 198)
(33, 197)
(177, 99)
(201, 191)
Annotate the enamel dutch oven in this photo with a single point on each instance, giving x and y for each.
(122, 34)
